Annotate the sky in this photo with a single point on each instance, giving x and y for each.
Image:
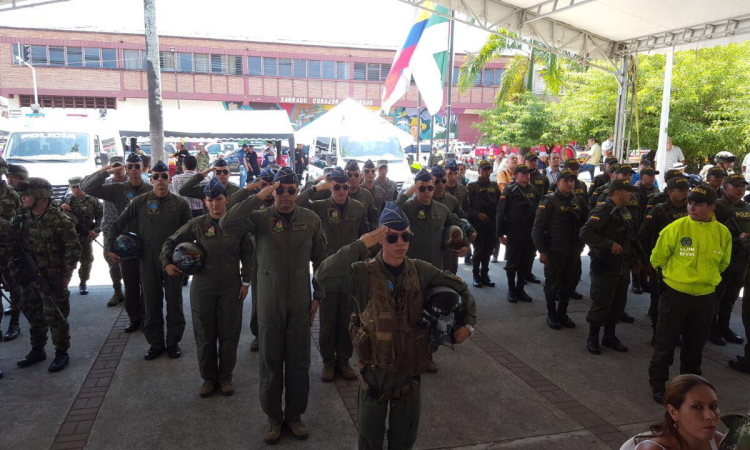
(369, 23)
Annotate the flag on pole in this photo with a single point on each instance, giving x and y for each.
(424, 55)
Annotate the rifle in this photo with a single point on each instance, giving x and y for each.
(529, 203)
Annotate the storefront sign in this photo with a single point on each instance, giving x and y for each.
(322, 101)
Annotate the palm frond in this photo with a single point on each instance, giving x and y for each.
(552, 73)
(495, 47)
(513, 83)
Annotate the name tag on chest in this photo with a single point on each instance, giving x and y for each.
(299, 226)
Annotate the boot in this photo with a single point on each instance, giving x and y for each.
(486, 281)
(552, 316)
(562, 314)
(477, 278)
(512, 287)
(227, 388)
(611, 341)
(254, 345)
(742, 364)
(576, 296)
(626, 318)
(83, 289)
(592, 344)
(636, 288)
(346, 371)
(60, 362)
(272, 433)
(13, 329)
(298, 429)
(37, 354)
(531, 278)
(207, 388)
(520, 292)
(327, 375)
(727, 333)
(714, 334)
(117, 297)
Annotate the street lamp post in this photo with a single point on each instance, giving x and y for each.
(33, 74)
(176, 87)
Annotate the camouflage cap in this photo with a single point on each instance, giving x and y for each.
(18, 171)
(75, 181)
(38, 187)
(3, 166)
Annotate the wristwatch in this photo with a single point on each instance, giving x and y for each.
(470, 328)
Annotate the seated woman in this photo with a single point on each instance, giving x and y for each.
(690, 419)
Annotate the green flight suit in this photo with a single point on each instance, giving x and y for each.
(214, 293)
(342, 226)
(450, 258)
(362, 195)
(157, 219)
(286, 247)
(121, 194)
(345, 272)
(194, 189)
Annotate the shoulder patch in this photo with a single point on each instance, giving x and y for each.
(541, 206)
(594, 218)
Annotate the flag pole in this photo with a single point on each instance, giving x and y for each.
(419, 122)
(451, 24)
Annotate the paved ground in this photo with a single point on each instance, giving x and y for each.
(515, 385)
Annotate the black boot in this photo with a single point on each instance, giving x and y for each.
(35, 355)
(562, 314)
(13, 329)
(742, 364)
(636, 288)
(60, 362)
(520, 292)
(485, 279)
(714, 334)
(530, 278)
(610, 340)
(83, 290)
(475, 271)
(552, 316)
(512, 287)
(576, 296)
(592, 344)
(727, 333)
(626, 318)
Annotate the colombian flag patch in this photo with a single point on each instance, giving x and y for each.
(594, 218)
(542, 206)
(649, 217)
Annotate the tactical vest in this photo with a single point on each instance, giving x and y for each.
(566, 224)
(387, 334)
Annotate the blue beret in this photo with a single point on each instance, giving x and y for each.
(214, 188)
(438, 171)
(221, 163)
(267, 175)
(352, 165)
(133, 158)
(423, 175)
(160, 167)
(285, 175)
(452, 165)
(393, 217)
(338, 175)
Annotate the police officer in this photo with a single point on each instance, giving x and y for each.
(604, 177)
(368, 183)
(374, 284)
(287, 238)
(218, 290)
(663, 196)
(88, 218)
(558, 221)
(715, 178)
(51, 239)
(646, 190)
(343, 220)
(515, 218)
(109, 215)
(655, 220)
(157, 215)
(611, 236)
(9, 206)
(121, 194)
(690, 278)
(538, 180)
(388, 185)
(194, 188)
(440, 178)
(483, 196)
(734, 213)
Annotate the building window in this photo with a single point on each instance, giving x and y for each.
(38, 55)
(313, 68)
(478, 79)
(329, 70)
(373, 72)
(92, 57)
(218, 63)
(360, 71)
(385, 69)
(234, 65)
(285, 68)
(498, 76)
(16, 54)
(254, 66)
(109, 58)
(456, 72)
(50, 101)
(166, 61)
(201, 63)
(57, 56)
(342, 71)
(131, 60)
(269, 67)
(75, 56)
(489, 77)
(185, 62)
(300, 68)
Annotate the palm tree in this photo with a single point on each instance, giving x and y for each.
(519, 73)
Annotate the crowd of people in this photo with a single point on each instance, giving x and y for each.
(384, 269)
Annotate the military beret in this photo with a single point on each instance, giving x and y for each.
(133, 158)
(530, 156)
(338, 175)
(610, 160)
(716, 171)
(3, 166)
(18, 171)
(115, 161)
(438, 171)
(521, 168)
(285, 175)
(702, 194)
(621, 185)
(160, 167)
(392, 217)
(648, 171)
(352, 166)
(485, 165)
(736, 179)
(267, 174)
(214, 188)
(677, 183)
(625, 168)
(75, 181)
(423, 175)
(572, 164)
(566, 173)
(369, 164)
(382, 163)
(219, 163)
(672, 173)
(451, 165)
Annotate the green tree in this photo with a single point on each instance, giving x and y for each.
(522, 123)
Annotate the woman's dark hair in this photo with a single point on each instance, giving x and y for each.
(675, 394)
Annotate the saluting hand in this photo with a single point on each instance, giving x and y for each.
(314, 305)
(413, 189)
(254, 185)
(325, 185)
(372, 238)
(243, 292)
(172, 270)
(114, 170)
(207, 171)
(266, 191)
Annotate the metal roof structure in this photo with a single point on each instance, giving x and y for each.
(9, 5)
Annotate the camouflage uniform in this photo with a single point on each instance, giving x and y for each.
(89, 212)
(9, 207)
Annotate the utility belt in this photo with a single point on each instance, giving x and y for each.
(606, 262)
(412, 387)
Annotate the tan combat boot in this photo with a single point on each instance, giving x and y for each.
(431, 366)
(272, 433)
(298, 429)
(117, 298)
(227, 388)
(254, 346)
(327, 375)
(207, 389)
(347, 372)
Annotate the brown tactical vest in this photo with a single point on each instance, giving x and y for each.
(387, 333)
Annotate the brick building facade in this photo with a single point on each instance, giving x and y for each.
(106, 70)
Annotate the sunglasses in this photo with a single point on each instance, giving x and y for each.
(441, 180)
(392, 238)
(338, 187)
(222, 172)
(163, 176)
(426, 188)
(290, 191)
(368, 171)
(353, 174)
(133, 166)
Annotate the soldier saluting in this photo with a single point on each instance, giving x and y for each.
(88, 214)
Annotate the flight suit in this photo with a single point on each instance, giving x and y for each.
(515, 219)
(430, 225)
(286, 247)
(121, 194)
(450, 258)
(362, 195)
(483, 198)
(342, 226)
(194, 189)
(346, 271)
(459, 191)
(156, 219)
(378, 196)
(88, 212)
(214, 293)
(555, 232)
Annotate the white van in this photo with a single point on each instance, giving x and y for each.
(58, 150)
(338, 150)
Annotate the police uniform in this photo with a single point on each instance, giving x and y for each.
(342, 224)
(121, 194)
(579, 190)
(285, 243)
(642, 197)
(719, 173)
(384, 379)
(194, 187)
(377, 192)
(155, 219)
(88, 217)
(53, 243)
(603, 178)
(538, 180)
(606, 225)
(483, 198)
(214, 291)
(555, 232)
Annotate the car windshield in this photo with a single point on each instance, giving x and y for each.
(48, 146)
(371, 148)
